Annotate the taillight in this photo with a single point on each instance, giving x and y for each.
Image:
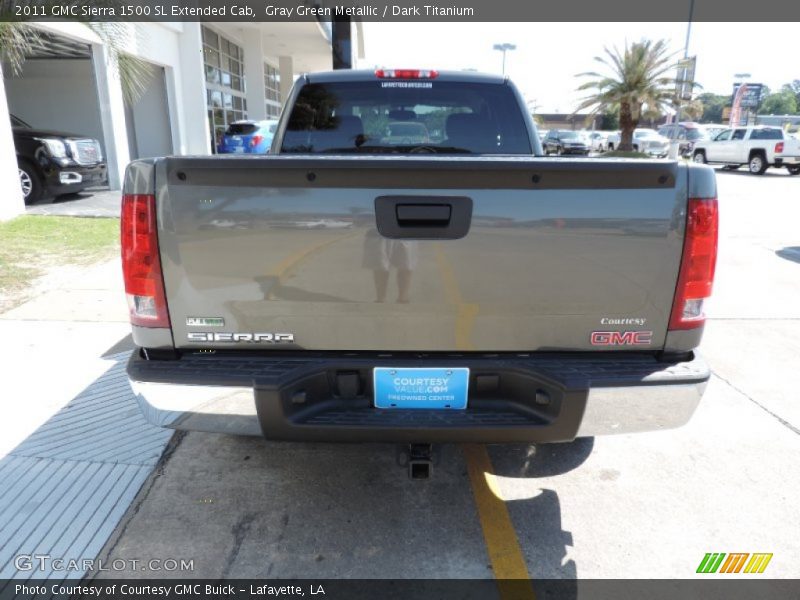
(256, 140)
(779, 147)
(698, 262)
(141, 265)
(406, 74)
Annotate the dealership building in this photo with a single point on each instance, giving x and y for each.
(202, 77)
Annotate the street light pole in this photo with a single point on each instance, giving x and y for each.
(674, 144)
(504, 47)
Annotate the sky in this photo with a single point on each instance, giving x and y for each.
(549, 55)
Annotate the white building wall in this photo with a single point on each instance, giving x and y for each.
(11, 202)
(189, 78)
(286, 67)
(112, 115)
(149, 119)
(178, 48)
(254, 74)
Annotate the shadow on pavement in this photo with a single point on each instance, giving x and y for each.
(93, 202)
(743, 172)
(536, 511)
(247, 508)
(125, 344)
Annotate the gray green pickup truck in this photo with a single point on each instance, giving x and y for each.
(406, 266)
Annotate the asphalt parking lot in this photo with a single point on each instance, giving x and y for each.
(634, 506)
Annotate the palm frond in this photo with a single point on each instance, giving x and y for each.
(134, 73)
(17, 40)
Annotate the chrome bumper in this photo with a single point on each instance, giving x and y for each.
(647, 406)
(198, 407)
(634, 409)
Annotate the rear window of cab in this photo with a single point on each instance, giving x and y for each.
(406, 117)
(767, 134)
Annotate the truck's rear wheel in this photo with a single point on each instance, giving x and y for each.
(757, 164)
(699, 157)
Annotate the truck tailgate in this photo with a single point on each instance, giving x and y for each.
(553, 251)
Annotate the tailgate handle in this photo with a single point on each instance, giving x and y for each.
(423, 217)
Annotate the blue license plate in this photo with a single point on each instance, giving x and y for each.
(421, 388)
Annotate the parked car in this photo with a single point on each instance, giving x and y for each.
(613, 140)
(557, 346)
(542, 134)
(757, 147)
(650, 142)
(248, 137)
(55, 163)
(564, 141)
(686, 133)
(714, 129)
(586, 137)
(598, 141)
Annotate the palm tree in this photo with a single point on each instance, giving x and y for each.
(19, 40)
(693, 109)
(635, 78)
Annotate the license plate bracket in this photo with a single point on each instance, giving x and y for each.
(444, 388)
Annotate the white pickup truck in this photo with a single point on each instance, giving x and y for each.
(757, 147)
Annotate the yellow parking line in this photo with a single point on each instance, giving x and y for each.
(282, 270)
(502, 545)
(465, 312)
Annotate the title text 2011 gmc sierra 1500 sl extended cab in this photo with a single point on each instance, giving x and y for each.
(453, 285)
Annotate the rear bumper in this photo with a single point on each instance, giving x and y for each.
(295, 397)
(787, 160)
(657, 152)
(580, 150)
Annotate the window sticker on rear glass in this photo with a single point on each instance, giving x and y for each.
(406, 84)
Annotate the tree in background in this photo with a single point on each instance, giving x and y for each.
(637, 79)
(692, 110)
(780, 103)
(795, 86)
(609, 121)
(713, 105)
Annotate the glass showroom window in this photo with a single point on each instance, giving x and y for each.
(224, 65)
(272, 91)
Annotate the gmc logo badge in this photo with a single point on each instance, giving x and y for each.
(622, 338)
